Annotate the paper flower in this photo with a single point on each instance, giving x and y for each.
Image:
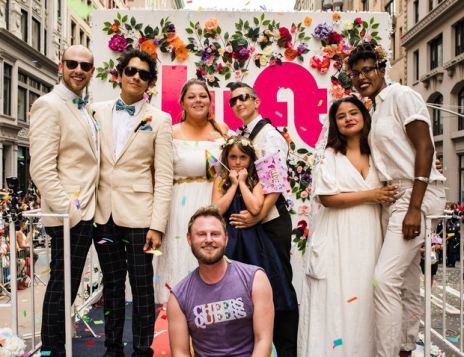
(307, 21)
(290, 53)
(117, 43)
(211, 24)
(148, 46)
(322, 31)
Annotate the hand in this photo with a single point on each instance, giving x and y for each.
(438, 165)
(384, 195)
(233, 175)
(153, 240)
(412, 223)
(244, 219)
(242, 175)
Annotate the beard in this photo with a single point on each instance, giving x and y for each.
(208, 259)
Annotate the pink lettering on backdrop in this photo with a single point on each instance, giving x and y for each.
(309, 100)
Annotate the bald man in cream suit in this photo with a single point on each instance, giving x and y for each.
(64, 166)
(133, 200)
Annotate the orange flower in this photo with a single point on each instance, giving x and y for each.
(330, 51)
(336, 16)
(171, 36)
(115, 27)
(177, 42)
(182, 53)
(211, 25)
(308, 21)
(290, 53)
(149, 47)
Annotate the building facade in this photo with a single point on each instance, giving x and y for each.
(434, 43)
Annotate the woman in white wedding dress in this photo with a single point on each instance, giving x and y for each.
(337, 306)
(196, 133)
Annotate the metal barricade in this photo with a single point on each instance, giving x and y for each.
(428, 330)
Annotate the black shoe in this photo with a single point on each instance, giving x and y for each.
(114, 354)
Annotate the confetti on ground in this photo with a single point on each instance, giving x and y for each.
(303, 128)
(320, 102)
(24, 313)
(279, 114)
(155, 252)
(101, 241)
(98, 322)
(125, 241)
(352, 299)
(338, 342)
(375, 283)
(45, 353)
(453, 339)
(94, 224)
(107, 312)
(90, 343)
(177, 237)
(129, 318)
(125, 343)
(158, 278)
(45, 272)
(184, 199)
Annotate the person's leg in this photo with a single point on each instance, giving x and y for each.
(52, 332)
(140, 268)
(279, 231)
(111, 252)
(396, 257)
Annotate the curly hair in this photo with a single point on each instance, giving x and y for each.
(335, 139)
(365, 51)
(124, 59)
(247, 148)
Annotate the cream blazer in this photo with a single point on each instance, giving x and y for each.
(64, 159)
(135, 187)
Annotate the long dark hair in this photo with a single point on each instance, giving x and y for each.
(183, 92)
(247, 148)
(335, 139)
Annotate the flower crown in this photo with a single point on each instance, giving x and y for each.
(237, 140)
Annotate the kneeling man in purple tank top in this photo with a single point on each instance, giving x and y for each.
(224, 306)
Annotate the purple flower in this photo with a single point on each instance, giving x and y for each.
(301, 49)
(205, 55)
(117, 43)
(242, 54)
(322, 31)
(171, 28)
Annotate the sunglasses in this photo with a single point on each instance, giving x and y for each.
(85, 66)
(241, 97)
(365, 71)
(143, 75)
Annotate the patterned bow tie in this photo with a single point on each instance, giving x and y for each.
(121, 106)
(242, 130)
(80, 102)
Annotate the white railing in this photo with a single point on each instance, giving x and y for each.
(428, 330)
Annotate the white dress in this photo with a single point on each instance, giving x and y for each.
(337, 303)
(191, 191)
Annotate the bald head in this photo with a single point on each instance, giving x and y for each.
(77, 50)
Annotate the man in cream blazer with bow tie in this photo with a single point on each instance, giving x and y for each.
(133, 200)
(64, 166)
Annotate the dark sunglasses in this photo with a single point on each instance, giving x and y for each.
(143, 75)
(241, 97)
(85, 66)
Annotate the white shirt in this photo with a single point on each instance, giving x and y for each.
(393, 153)
(123, 125)
(274, 141)
(85, 114)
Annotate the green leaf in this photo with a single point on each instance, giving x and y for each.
(162, 22)
(218, 30)
(117, 22)
(365, 25)
(189, 30)
(107, 24)
(138, 26)
(375, 26)
(301, 35)
(262, 16)
(226, 36)
(374, 34)
(227, 76)
(266, 22)
(124, 19)
(371, 21)
(247, 24)
(132, 21)
(255, 20)
(128, 27)
(118, 15)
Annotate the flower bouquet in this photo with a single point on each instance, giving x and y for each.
(11, 345)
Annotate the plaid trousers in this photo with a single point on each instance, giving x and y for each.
(120, 250)
(53, 336)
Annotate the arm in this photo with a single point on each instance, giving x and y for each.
(221, 199)
(245, 219)
(263, 315)
(418, 133)
(178, 329)
(349, 199)
(44, 137)
(253, 200)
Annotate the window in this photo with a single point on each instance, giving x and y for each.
(436, 52)
(461, 176)
(45, 42)
(24, 17)
(437, 119)
(459, 37)
(365, 5)
(7, 72)
(29, 90)
(416, 11)
(81, 37)
(73, 33)
(7, 14)
(461, 109)
(390, 7)
(35, 34)
(430, 5)
(393, 46)
(416, 64)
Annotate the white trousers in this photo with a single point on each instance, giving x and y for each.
(397, 273)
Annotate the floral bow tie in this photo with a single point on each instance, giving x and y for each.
(80, 102)
(120, 105)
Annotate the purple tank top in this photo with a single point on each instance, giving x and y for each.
(219, 316)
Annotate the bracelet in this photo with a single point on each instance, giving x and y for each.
(422, 179)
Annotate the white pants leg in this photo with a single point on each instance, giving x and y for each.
(397, 276)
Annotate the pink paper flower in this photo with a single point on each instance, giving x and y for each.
(117, 43)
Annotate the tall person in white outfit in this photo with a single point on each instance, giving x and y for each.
(197, 133)
(337, 304)
(402, 150)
